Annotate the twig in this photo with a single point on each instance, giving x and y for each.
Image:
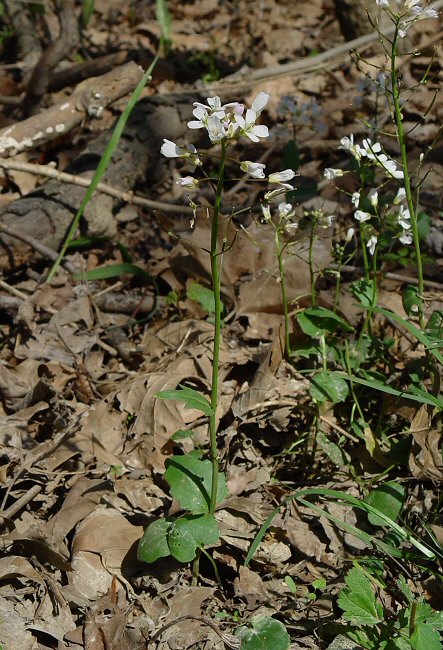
(388, 276)
(36, 245)
(23, 501)
(69, 76)
(128, 197)
(15, 292)
(228, 639)
(29, 48)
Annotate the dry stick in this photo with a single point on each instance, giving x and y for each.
(57, 50)
(310, 64)
(228, 639)
(36, 245)
(72, 75)
(397, 277)
(128, 197)
(59, 119)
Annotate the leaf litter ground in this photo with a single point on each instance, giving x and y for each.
(84, 439)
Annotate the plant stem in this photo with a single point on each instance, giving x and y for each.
(215, 272)
(398, 117)
(311, 260)
(279, 249)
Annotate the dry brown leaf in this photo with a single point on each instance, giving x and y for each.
(103, 547)
(425, 459)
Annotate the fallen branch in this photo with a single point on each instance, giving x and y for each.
(64, 116)
(128, 197)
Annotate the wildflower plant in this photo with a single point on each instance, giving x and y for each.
(198, 484)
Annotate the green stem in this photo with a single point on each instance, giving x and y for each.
(279, 249)
(398, 117)
(215, 272)
(311, 261)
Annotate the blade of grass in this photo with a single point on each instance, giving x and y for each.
(342, 496)
(104, 162)
(414, 330)
(418, 396)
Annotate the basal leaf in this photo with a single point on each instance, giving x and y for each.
(321, 321)
(357, 600)
(202, 295)
(154, 544)
(265, 633)
(188, 533)
(190, 481)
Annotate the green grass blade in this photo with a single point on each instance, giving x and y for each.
(104, 162)
(414, 330)
(342, 496)
(417, 396)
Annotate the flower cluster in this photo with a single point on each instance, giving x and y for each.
(225, 122)
(285, 216)
(408, 10)
(371, 152)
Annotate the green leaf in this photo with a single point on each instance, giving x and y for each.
(415, 395)
(154, 544)
(112, 271)
(363, 290)
(190, 481)
(388, 499)
(202, 295)
(336, 454)
(412, 303)
(264, 633)
(425, 637)
(164, 19)
(87, 11)
(188, 533)
(291, 156)
(415, 331)
(423, 225)
(192, 399)
(357, 600)
(328, 386)
(317, 321)
(181, 434)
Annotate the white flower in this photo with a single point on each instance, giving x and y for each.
(355, 198)
(266, 210)
(406, 238)
(371, 244)
(285, 210)
(373, 197)
(361, 216)
(216, 129)
(331, 173)
(249, 128)
(260, 102)
(347, 143)
(284, 187)
(349, 234)
(384, 4)
(326, 222)
(256, 170)
(400, 196)
(188, 182)
(390, 167)
(172, 150)
(281, 177)
(404, 218)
